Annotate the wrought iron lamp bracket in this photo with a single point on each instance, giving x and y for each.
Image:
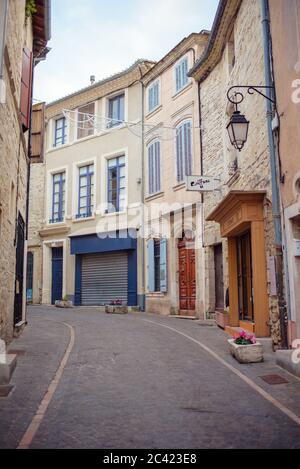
(238, 97)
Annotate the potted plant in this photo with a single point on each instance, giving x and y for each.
(116, 307)
(245, 348)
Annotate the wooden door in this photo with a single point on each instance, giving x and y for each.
(187, 277)
(245, 277)
(57, 275)
(219, 278)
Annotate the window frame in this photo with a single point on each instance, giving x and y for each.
(177, 66)
(61, 213)
(112, 122)
(157, 261)
(64, 129)
(92, 128)
(183, 156)
(156, 83)
(90, 191)
(118, 168)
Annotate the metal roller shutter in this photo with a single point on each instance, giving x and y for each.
(104, 278)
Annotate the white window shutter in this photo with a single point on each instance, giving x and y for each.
(150, 265)
(163, 266)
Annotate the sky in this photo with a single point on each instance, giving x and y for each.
(103, 37)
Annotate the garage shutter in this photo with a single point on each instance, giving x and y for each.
(104, 278)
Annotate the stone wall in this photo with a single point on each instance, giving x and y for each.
(13, 161)
(35, 224)
(253, 163)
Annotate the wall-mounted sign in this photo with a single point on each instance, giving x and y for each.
(297, 247)
(202, 183)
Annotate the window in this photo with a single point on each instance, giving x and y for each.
(181, 74)
(116, 110)
(184, 150)
(3, 15)
(157, 265)
(12, 205)
(58, 197)
(116, 185)
(86, 191)
(154, 168)
(85, 125)
(153, 96)
(60, 136)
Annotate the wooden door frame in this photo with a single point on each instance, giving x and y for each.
(181, 244)
(241, 211)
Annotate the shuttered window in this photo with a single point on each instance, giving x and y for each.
(3, 16)
(184, 150)
(181, 71)
(26, 87)
(153, 96)
(38, 131)
(154, 168)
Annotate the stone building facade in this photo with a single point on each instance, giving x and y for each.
(86, 196)
(286, 59)
(173, 253)
(238, 230)
(22, 43)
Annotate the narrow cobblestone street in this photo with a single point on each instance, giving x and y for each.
(141, 381)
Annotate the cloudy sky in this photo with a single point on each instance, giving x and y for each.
(102, 37)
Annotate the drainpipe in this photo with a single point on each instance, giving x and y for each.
(142, 230)
(269, 81)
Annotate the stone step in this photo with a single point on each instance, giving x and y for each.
(284, 359)
(7, 369)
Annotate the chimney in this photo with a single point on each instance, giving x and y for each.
(92, 79)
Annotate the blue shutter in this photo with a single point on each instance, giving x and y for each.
(163, 266)
(156, 101)
(150, 100)
(151, 169)
(150, 265)
(157, 167)
(177, 78)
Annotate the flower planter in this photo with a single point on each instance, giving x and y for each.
(246, 353)
(116, 309)
(63, 304)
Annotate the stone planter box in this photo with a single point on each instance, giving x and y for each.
(63, 304)
(246, 353)
(116, 309)
(222, 319)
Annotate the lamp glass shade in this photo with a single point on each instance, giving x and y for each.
(238, 128)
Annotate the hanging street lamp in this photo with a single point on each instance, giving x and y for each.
(238, 127)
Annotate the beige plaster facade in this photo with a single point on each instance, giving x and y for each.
(97, 149)
(164, 207)
(286, 56)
